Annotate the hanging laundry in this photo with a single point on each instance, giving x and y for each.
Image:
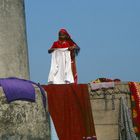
(61, 71)
(96, 86)
(135, 105)
(17, 89)
(99, 80)
(126, 131)
(70, 109)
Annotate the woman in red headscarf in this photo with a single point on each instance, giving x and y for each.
(65, 41)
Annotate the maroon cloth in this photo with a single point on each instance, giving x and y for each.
(70, 109)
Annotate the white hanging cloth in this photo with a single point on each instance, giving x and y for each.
(61, 71)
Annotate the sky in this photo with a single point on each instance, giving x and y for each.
(107, 31)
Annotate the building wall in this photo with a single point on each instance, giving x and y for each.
(106, 110)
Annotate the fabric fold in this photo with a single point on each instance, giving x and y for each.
(60, 71)
(17, 89)
(96, 86)
(70, 109)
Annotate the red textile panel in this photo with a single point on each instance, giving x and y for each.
(70, 109)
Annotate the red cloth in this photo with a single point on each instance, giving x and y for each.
(135, 105)
(70, 109)
(62, 44)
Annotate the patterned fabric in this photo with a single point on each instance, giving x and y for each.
(135, 103)
(126, 131)
(96, 86)
(99, 80)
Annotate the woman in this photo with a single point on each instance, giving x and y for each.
(65, 41)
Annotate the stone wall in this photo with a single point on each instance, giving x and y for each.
(23, 120)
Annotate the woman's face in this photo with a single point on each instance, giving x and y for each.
(62, 36)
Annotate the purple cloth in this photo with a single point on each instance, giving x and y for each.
(18, 89)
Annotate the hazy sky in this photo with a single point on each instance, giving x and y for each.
(108, 32)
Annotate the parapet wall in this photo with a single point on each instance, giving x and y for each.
(23, 120)
(29, 121)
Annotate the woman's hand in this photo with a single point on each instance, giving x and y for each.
(71, 48)
(51, 50)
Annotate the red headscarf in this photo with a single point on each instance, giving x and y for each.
(65, 44)
(64, 31)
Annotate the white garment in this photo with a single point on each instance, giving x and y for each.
(61, 71)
